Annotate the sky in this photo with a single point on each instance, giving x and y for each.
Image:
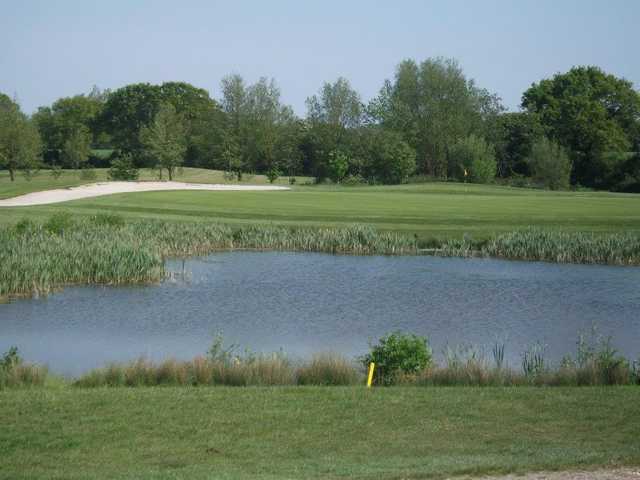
(51, 49)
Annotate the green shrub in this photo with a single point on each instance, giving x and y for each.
(10, 358)
(24, 225)
(354, 180)
(123, 168)
(338, 165)
(549, 164)
(474, 156)
(56, 171)
(88, 174)
(392, 159)
(59, 223)
(273, 173)
(108, 220)
(396, 354)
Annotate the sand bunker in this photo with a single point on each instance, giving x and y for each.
(109, 188)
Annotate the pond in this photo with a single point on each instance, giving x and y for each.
(306, 302)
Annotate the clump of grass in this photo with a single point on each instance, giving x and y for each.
(355, 239)
(566, 247)
(259, 370)
(14, 372)
(467, 365)
(597, 362)
(328, 369)
(533, 361)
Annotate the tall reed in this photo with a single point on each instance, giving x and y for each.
(38, 258)
(14, 372)
(566, 247)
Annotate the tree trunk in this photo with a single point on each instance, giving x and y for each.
(170, 170)
(12, 175)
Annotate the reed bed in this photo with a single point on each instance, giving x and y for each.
(39, 258)
(566, 247)
(595, 362)
(15, 373)
(253, 370)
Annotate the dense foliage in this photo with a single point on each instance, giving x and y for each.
(398, 354)
(430, 120)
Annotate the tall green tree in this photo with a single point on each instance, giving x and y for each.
(549, 164)
(590, 113)
(204, 122)
(333, 115)
(20, 144)
(392, 159)
(77, 148)
(164, 141)
(432, 105)
(260, 125)
(131, 108)
(58, 123)
(513, 136)
(336, 104)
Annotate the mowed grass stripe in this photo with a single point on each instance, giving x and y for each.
(427, 210)
(307, 432)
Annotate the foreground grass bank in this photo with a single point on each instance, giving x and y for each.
(307, 432)
(37, 258)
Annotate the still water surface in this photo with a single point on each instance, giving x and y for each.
(306, 303)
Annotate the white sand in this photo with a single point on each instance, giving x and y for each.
(108, 188)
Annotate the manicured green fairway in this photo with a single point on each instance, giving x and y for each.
(281, 433)
(427, 210)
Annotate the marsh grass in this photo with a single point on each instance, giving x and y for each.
(328, 369)
(14, 372)
(36, 259)
(254, 370)
(565, 247)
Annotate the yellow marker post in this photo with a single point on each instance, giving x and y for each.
(370, 377)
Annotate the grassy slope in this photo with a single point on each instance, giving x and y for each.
(278, 433)
(426, 210)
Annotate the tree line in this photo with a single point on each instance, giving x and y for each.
(430, 121)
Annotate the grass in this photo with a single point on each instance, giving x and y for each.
(313, 432)
(255, 370)
(43, 180)
(38, 258)
(435, 210)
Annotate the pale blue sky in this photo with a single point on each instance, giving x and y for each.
(50, 49)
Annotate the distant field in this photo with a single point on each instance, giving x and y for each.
(305, 432)
(426, 210)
